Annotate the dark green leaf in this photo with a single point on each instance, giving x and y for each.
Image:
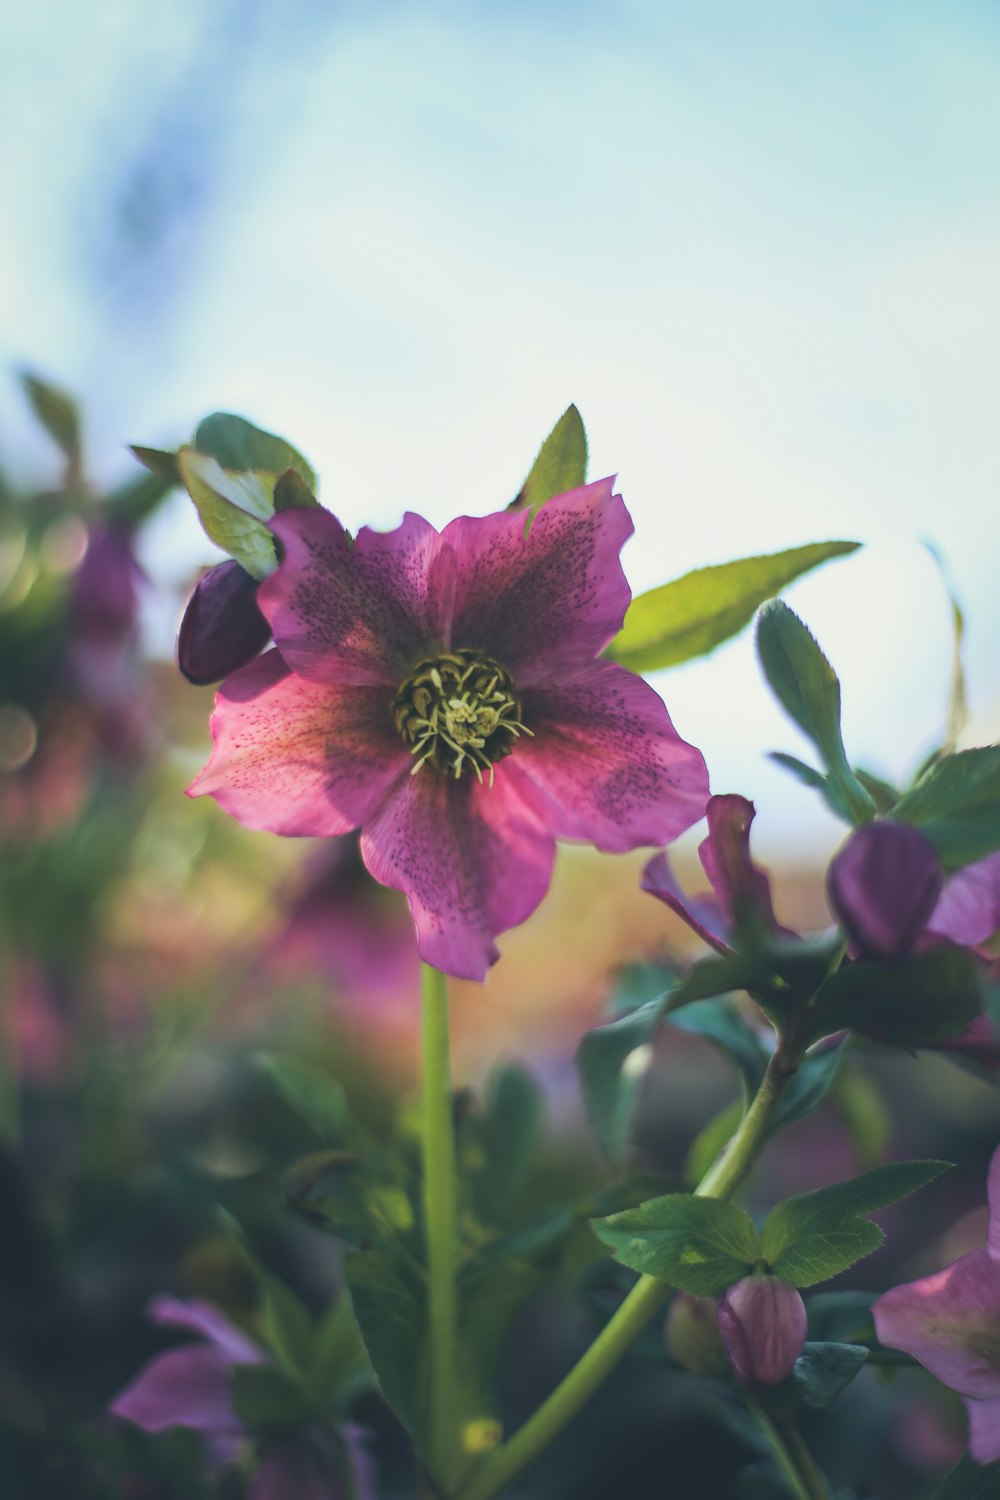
(164, 465)
(489, 1296)
(58, 414)
(388, 1301)
(811, 777)
(611, 1064)
(233, 509)
(561, 464)
(816, 1235)
(957, 805)
(237, 444)
(970, 1481)
(883, 793)
(721, 1022)
(840, 1317)
(313, 1095)
(511, 1130)
(922, 999)
(338, 1357)
(135, 501)
(695, 613)
(698, 1244)
(807, 687)
(283, 1321)
(711, 1140)
(808, 1088)
(265, 1398)
(822, 1371)
(359, 1198)
(291, 492)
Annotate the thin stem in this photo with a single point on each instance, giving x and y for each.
(791, 1454)
(643, 1301)
(440, 1217)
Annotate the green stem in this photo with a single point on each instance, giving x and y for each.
(440, 1217)
(791, 1454)
(643, 1301)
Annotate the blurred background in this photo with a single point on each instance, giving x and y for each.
(757, 247)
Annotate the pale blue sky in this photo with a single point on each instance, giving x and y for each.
(757, 243)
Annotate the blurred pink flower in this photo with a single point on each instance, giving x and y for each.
(950, 1322)
(442, 692)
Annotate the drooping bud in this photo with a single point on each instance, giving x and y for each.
(883, 886)
(222, 628)
(691, 1334)
(105, 596)
(762, 1320)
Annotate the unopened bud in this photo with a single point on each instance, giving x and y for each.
(883, 886)
(691, 1334)
(762, 1320)
(222, 628)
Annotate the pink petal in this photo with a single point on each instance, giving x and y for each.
(702, 914)
(361, 612)
(187, 1387)
(542, 603)
(950, 1322)
(984, 1430)
(743, 890)
(206, 1319)
(473, 860)
(300, 757)
(969, 909)
(610, 765)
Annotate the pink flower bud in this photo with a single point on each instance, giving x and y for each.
(691, 1334)
(883, 886)
(762, 1320)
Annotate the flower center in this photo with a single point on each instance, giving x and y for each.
(457, 712)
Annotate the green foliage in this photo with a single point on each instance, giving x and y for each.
(510, 1134)
(233, 509)
(315, 1096)
(970, 1481)
(283, 1321)
(387, 1296)
(237, 444)
(923, 999)
(696, 613)
(609, 1082)
(823, 1370)
(700, 1245)
(956, 804)
(266, 1399)
(58, 413)
(561, 463)
(291, 492)
(816, 1235)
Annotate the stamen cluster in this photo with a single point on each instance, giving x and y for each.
(458, 711)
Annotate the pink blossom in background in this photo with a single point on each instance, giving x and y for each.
(442, 692)
(950, 1322)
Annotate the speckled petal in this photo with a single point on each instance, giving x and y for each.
(950, 1322)
(362, 611)
(984, 1430)
(300, 757)
(550, 601)
(473, 860)
(609, 763)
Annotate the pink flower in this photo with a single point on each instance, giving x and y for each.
(762, 1320)
(950, 1322)
(441, 691)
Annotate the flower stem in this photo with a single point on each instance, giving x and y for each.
(791, 1454)
(642, 1302)
(440, 1217)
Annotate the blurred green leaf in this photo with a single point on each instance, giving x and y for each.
(313, 1095)
(822, 1371)
(956, 804)
(561, 463)
(338, 1357)
(696, 613)
(611, 1064)
(958, 704)
(883, 793)
(806, 685)
(283, 1321)
(237, 444)
(266, 1399)
(970, 1481)
(816, 1235)
(58, 414)
(511, 1130)
(809, 776)
(927, 998)
(135, 502)
(701, 1245)
(710, 1140)
(388, 1301)
(232, 509)
(159, 462)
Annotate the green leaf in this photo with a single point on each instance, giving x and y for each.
(338, 1357)
(158, 462)
(135, 501)
(313, 1095)
(956, 803)
(58, 414)
(711, 1140)
(822, 1371)
(817, 1235)
(283, 1321)
(490, 1294)
(388, 1303)
(359, 1197)
(237, 444)
(232, 509)
(695, 613)
(970, 1481)
(292, 493)
(611, 1064)
(701, 1245)
(510, 1132)
(561, 464)
(811, 777)
(266, 1399)
(883, 793)
(927, 998)
(806, 686)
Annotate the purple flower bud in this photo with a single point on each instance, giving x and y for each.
(105, 599)
(222, 628)
(883, 886)
(691, 1334)
(762, 1320)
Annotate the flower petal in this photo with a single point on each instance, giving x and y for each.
(299, 757)
(187, 1387)
(969, 909)
(883, 885)
(473, 860)
(984, 1430)
(206, 1319)
(702, 914)
(745, 891)
(610, 764)
(361, 612)
(542, 603)
(950, 1322)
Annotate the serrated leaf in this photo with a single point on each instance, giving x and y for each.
(927, 998)
(817, 1235)
(313, 1095)
(266, 1399)
(232, 508)
(807, 687)
(237, 444)
(822, 1371)
(700, 1245)
(696, 613)
(59, 415)
(610, 1081)
(388, 1303)
(956, 804)
(561, 463)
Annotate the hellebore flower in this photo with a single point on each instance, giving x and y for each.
(884, 885)
(950, 1322)
(762, 1320)
(221, 628)
(105, 597)
(441, 692)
